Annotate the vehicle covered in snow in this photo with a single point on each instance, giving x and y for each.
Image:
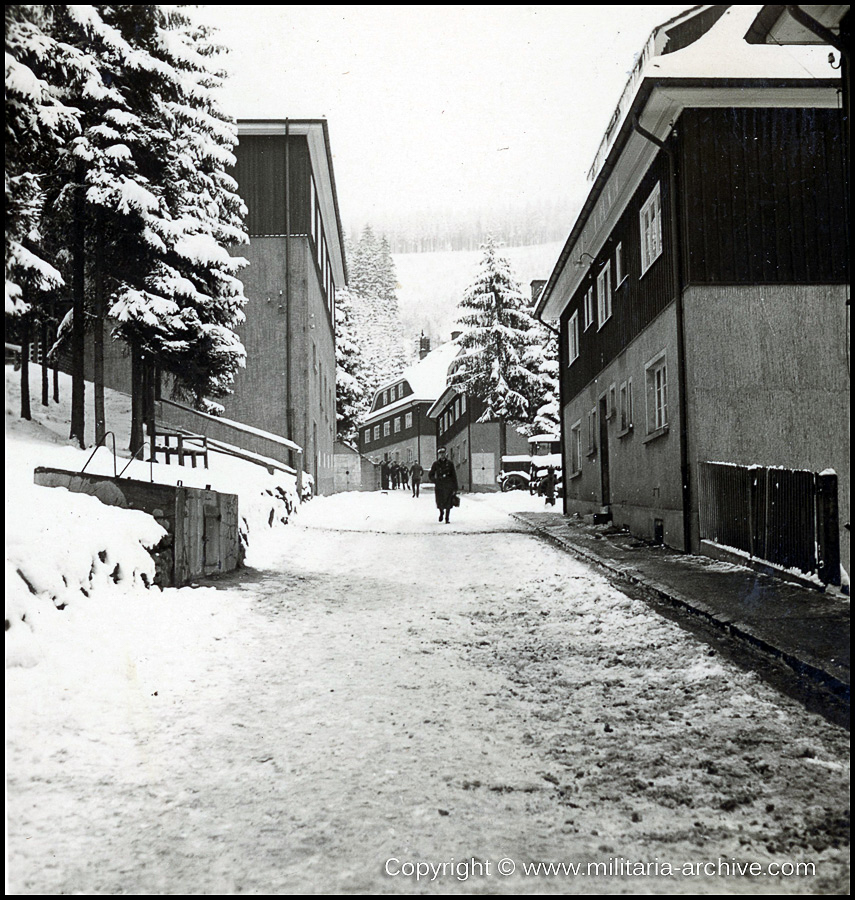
(522, 472)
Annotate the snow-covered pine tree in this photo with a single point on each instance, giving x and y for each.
(37, 124)
(156, 200)
(350, 398)
(544, 358)
(205, 217)
(496, 340)
(376, 315)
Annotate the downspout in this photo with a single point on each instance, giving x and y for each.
(289, 406)
(677, 262)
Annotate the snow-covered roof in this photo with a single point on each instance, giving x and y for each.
(426, 378)
(718, 68)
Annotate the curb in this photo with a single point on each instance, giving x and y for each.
(804, 669)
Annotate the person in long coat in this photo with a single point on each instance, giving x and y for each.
(416, 477)
(444, 479)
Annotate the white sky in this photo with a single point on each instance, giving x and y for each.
(437, 107)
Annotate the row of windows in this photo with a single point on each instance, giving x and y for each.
(322, 255)
(396, 392)
(597, 303)
(618, 405)
(452, 414)
(387, 427)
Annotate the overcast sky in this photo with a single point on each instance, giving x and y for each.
(435, 107)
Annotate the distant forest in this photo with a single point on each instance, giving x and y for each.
(454, 229)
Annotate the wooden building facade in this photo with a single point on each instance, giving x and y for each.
(702, 292)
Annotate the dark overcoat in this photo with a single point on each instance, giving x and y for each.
(444, 479)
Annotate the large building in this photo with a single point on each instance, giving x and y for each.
(475, 448)
(702, 297)
(397, 427)
(296, 263)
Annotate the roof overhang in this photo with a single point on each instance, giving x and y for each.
(441, 401)
(776, 25)
(316, 132)
(657, 105)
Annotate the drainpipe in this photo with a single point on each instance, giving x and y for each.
(676, 255)
(289, 339)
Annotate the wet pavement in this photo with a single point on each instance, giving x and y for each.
(806, 629)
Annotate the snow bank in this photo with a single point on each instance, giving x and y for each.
(64, 548)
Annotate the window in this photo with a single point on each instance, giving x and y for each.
(463, 403)
(386, 429)
(592, 430)
(650, 221)
(626, 405)
(604, 295)
(367, 436)
(457, 408)
(397, 424)
(573, 338)
(589, 308)
(385, 398)
(376, 432)
(657, 394)
(408, 420)
(612, 401)
(620, 265)
(409, 454)
(576, 447)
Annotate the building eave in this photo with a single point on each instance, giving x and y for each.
(657, 105)
(316, 132)
(775, 25)
(443, 400)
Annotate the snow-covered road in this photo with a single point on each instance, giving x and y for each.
(381, 691)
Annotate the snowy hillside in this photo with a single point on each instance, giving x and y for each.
(430, 285)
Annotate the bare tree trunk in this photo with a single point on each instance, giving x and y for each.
(55, 319)
(43, 346)
(137, 399)
(25, 361)
(78, 325)
(98, 342)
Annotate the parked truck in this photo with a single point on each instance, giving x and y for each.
(521, 472)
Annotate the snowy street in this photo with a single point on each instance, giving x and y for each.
(378, 691)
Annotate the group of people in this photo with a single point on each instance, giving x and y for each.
(442, 473)
(395, 475)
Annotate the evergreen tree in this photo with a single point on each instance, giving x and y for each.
(351, 401)
(37, 126)
(495, 365)
(180, 299)
(141, 208)
(376, 314)
(544, 360)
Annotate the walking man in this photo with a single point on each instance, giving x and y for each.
(444, 478)
(416, 473)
